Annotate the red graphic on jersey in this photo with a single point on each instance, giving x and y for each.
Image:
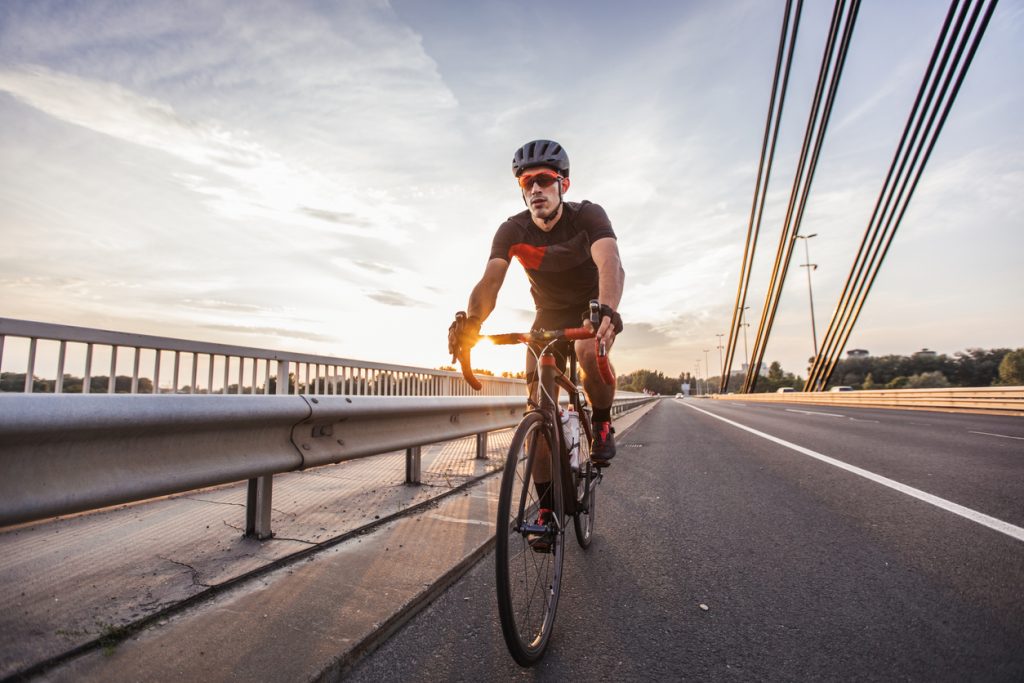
(529, 255)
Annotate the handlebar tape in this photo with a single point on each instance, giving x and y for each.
(467, 371)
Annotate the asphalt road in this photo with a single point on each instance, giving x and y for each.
(722, 555)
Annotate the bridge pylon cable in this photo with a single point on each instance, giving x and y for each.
(927, 118)
(783, 63)
(833, 60)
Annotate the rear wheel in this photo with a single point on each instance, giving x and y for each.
(528, 581)
(586, 479)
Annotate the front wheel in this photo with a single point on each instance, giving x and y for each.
(528, 572)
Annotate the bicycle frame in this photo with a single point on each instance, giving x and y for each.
(550, 379)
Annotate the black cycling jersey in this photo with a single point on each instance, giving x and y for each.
(558, 263)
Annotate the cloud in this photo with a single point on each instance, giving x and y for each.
(375, 267)
(391, 298)
(113, 110)
(226, 306)
(264, 331)
(337, 217)
(239, 176)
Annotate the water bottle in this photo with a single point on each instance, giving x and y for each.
(571, 434)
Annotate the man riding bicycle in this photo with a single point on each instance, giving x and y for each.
(571, 256)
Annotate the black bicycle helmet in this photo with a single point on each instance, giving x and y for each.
(541, 153)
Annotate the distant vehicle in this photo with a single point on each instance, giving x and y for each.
(679, 396)
(844, 388)
(785, 390)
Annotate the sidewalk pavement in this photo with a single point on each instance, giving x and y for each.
(302, 617)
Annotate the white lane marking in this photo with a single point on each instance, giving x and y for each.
(949, 506)
(811, 412)
(1003, 436)
(859, 420)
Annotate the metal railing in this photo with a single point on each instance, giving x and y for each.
(983, 400)
(62, 453)
(194, 367)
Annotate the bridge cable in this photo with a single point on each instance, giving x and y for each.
(837, 47)
(771, 132)
(907, 166)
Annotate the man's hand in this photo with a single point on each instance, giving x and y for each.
(608, 328)
(463, 334)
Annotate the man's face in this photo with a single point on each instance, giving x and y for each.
(541, 200)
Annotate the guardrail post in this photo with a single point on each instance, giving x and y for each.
(257, 507)
(413, 462)
(481, 446)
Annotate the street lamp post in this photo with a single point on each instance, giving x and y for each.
(707, 371)
(810, 266)
(721, 361)
(744, 324)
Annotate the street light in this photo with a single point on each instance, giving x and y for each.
(707, 370)
(745, 325)
(721, 361)
(810, 266)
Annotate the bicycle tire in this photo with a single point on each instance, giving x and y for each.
(585, 478)
(528, 582)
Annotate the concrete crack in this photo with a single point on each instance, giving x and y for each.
(192, 570)
(297, 540)
(214, 502)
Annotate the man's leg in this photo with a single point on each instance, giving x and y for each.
(541, 473)
(601, 397)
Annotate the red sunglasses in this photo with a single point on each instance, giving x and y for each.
(544, 179)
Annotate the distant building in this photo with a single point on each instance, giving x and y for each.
(926, 352)
(742, 372)
(857, 353)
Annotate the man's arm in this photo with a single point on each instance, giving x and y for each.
(611, 278)
(485, 295)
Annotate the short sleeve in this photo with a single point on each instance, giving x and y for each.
(595, 222)
(503, 240)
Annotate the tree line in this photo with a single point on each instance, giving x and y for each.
(970, 368)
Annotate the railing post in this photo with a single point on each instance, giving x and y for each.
(413, 465)
(282, 377)
(87, 380)
(59, 387)
(135, 371)
(481, 446)
(31, 371)
(257, 507)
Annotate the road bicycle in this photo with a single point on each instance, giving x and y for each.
(530, 546)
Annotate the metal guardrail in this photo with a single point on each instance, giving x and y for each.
(181, 366)
(984, 400)
(62, 454)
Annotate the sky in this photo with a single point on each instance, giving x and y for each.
(326, 177)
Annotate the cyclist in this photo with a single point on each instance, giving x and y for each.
(571, 256)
